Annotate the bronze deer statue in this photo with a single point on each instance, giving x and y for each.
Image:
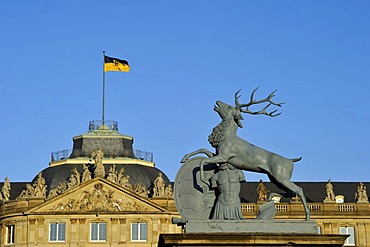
(243, 155)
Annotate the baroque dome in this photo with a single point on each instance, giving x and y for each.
(120, 162)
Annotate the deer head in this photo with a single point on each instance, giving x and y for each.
(226, 111)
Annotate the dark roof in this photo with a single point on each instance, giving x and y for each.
(314, 191)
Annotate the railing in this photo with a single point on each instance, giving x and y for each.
(248, 207)
(143, 155)
(314, 207)
(96, 124)
(346, 207)
(61, 155)
(281, 207)
(66, 153)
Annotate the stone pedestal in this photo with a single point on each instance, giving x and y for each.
(251, 226)
(250, 239)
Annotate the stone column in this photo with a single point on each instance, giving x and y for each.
(124, 231)
(115, 238)
(83, 233)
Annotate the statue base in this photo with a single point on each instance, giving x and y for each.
(251, 226)
(250, 239)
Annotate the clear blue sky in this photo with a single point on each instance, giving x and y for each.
(185, 55)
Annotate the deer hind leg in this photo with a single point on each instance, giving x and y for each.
(299, 191)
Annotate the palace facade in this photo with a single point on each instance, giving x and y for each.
(105, 193)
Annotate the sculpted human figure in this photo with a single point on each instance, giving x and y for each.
(5, 190)
(112, 175)
(330, 196)
(140, 190)
(227, 182)
(75, 178)
(261, 192)
(99, 167)
(86, 174)
(361, 195)
(40, 186)
(159, 185)
(124, 181)
(168, 192)
(29, 191)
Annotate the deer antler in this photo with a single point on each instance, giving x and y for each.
(252, 101)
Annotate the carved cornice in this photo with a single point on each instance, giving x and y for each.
(98, 200)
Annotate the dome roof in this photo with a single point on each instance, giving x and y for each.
(144, 175)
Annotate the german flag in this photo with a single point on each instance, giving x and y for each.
(115, 64)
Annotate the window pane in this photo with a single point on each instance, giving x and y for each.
(134, 231)
(94, 231)
(61, 232)
(10, 234)
(351, 238)
(350, 231)
(142, 231)
(102, 231)
(53, 232)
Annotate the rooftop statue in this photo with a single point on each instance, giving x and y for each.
(330, 196)
(5, 190)
(231, 149)
(361, 195)
(261, 192)
(99, 167)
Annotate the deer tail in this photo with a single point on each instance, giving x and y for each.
(296, 159)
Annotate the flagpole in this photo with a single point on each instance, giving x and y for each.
(102, 119)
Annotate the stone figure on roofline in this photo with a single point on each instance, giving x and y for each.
(40, 186)
(86, 174)
(159, 186)
(330, 196)
(361, 195)
(28, 192)
(168, 192)
(5, 190)
(75, 178)
(231, 149)
(99, 167)
(261, 192)
(112, 175)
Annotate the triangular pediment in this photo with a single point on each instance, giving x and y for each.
(97, 195)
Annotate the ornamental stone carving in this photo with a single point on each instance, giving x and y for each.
(5, 191)
(98, 199)
(168, 192)
(86, 174)
(40, 186)
(113, 174)
(75, 178)
(159, 186)
(58, 190)
(330, 196)
(38, 189)
(361, 194)
(99, 167)
(140, 190)
(261, 192)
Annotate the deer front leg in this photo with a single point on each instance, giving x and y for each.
(212, 160)
(200, 151)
